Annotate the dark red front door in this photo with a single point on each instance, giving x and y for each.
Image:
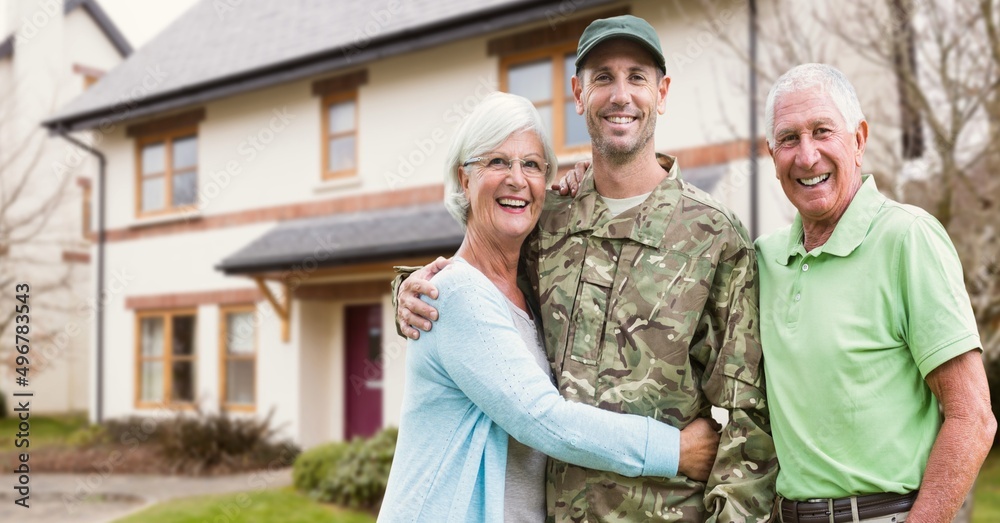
(363, 397)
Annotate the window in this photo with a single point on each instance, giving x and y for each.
(238, 347)
(543, 76)
(167, 172)
(340, 134)
(166, 358)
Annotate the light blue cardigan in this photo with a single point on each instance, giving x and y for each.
(469, 379)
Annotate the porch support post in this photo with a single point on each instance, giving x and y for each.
(284, 308)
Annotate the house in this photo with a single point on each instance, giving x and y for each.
(268, 163)
(50, 52)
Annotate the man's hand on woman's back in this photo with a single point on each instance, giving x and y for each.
(412, 313)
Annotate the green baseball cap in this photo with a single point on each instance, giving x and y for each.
(624, 26)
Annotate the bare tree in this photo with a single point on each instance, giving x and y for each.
(938, 139)
(33, 232)
(937, 144)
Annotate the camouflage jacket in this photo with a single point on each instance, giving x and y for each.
(654, 312)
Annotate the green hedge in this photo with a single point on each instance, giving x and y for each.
(351, 474)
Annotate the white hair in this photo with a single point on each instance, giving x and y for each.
(488, 126)
(815, 76)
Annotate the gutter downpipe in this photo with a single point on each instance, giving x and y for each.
(754, 231)
(99, 312)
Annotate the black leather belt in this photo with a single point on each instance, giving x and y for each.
(870, 506)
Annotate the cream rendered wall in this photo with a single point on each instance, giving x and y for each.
(259, 149)
(337, 373)
(206, 378)
(316, 368)
(6, 71)
(119, 153)
(278, 364)
(85, 43)
(707, 101)
(416, 102)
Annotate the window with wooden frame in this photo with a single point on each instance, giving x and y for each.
(167, 171)
(543, 76)
(238, 352)
(340, 134)
(166, 163)
(165, 358)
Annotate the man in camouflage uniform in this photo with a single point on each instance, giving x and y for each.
(648, 294)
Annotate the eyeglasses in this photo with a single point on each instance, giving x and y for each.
(499, 164)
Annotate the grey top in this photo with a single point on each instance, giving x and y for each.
(524, 488)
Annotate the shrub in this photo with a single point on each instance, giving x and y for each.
(351, 474)
(315, 464)
(201, 443)
(204, 442)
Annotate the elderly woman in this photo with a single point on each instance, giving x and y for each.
(479, 399)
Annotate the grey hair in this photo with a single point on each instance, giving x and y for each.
(815, 76)
(487, 127)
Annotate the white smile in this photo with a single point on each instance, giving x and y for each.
(507, 202)
(621, 119)
(809, 182)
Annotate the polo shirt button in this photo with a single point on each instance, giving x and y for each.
(805, 267)
(798, 297)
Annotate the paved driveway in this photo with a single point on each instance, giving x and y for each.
(93, 498)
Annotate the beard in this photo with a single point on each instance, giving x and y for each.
(613, 150)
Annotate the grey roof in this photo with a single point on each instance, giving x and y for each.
(349, 238)
(219, 48)
(101, 18)
(7, 47)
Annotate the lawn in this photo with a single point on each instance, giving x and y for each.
(44, 431)
(284, 505)
(986, 508)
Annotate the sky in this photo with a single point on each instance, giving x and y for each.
(141, 20)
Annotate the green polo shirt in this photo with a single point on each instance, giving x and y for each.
(850, 330)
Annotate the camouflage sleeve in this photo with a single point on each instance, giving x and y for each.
(527, 270)
(741, 487)
(402, 272)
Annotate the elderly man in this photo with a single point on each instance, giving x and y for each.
(647, 291)
(879, 401)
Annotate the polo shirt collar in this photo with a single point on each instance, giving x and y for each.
(645, 223)
(850, 230)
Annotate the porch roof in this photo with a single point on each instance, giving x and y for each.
(348, 238)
